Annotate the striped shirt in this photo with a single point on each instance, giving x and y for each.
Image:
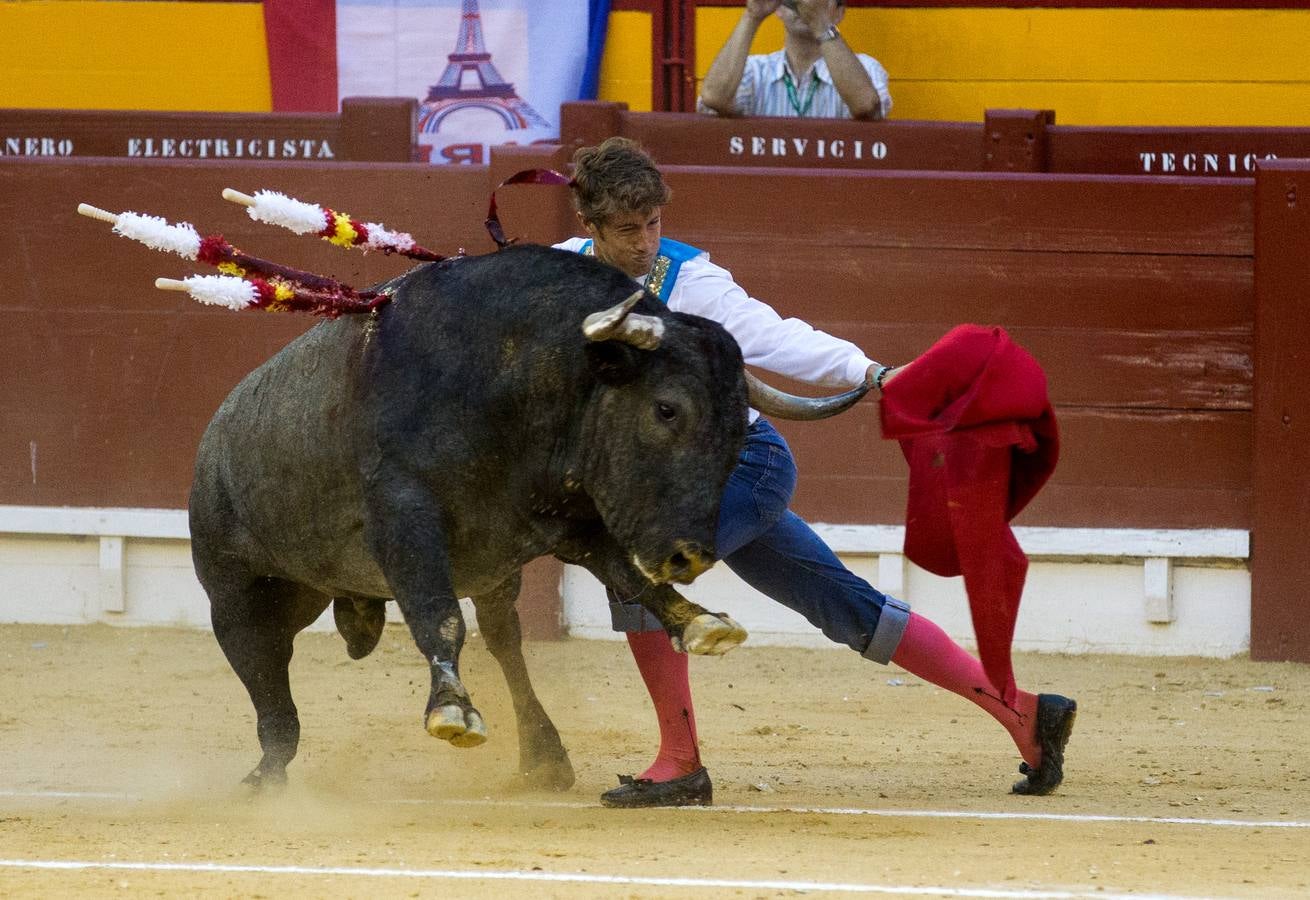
(763, 89)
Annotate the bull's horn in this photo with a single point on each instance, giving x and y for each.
(781, 405)
(619, 323)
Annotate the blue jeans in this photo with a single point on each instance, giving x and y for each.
(774, 551)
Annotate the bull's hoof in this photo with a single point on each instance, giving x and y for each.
(711, 634)
(262, 778)
(554, 775)
(459, 727)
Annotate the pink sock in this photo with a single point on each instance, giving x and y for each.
(928, 652)
(667, 681)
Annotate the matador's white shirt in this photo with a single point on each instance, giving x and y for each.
(788, 347)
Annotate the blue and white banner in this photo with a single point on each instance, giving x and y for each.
(485, 72)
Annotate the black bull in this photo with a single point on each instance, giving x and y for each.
(500, 408)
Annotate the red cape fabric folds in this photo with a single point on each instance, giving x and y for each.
(977, 429)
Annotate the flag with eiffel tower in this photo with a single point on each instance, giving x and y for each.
(485, 72)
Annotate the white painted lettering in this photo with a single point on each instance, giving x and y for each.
(800, 144)
(1167, 161)
(837, 149)
(36, 146)
(1189, 162)
(1147, 160)
(757, 146)
(779, 147)
(878, 150)
(735, 145)
(1210, 162)
(325, 151)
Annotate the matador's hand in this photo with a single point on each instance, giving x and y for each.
(761, 9)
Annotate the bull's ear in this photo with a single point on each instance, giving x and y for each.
(613, 362)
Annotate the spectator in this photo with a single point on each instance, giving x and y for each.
(815, 74)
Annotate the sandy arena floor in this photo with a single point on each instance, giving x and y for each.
(121, 751)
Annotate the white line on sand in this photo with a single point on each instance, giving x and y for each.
(810, 810)
(586, 878)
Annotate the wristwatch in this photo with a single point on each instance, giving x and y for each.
(829, 34)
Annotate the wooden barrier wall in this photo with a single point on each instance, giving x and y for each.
(374, 129)
(1280, 563)
(1007, 140)
(1136, 294)
(109, 382)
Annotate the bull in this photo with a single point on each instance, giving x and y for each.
(497, 409)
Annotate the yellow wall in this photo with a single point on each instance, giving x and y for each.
(1092, 66)
(625, 67)
(105, 54)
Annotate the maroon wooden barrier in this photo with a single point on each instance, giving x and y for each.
(1135, 293)
(381, 129)
(1280, 561)
(691, 139)
(1218, 152)
(1007, 140)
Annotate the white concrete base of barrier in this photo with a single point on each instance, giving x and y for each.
(1161, 592)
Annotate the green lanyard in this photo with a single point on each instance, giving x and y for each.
(792, 97)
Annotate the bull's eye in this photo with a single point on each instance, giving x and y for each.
(667, 412)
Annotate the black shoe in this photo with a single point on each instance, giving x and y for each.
(689, 790)
(1055, 715)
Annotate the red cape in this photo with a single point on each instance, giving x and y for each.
(977, 428)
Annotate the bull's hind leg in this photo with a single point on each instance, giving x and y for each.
(543, 761)
(256, 624)
(406, 539)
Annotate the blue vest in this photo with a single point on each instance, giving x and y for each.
(664, 271)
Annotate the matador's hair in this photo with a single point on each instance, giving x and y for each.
(616, 177)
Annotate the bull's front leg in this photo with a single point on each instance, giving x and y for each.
(403, 528)
(692, 628)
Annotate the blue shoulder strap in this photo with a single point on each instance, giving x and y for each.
(664, 272)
